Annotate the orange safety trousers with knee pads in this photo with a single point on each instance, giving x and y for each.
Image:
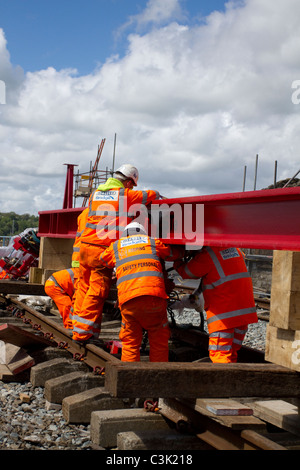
(60, 287)
(228, 296)
(141, 293)
(145, 313)
(92, 291)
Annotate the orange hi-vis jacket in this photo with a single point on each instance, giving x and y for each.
(226, 284)
(81, 221)
(138, 267)
(111, 210)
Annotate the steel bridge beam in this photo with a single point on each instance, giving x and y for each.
(265, 219)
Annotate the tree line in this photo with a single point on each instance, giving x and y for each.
(12, 223)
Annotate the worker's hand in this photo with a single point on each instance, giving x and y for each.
(177, 264)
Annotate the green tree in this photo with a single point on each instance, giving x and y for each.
(12, 223)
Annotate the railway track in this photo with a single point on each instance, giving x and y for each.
(183, 421)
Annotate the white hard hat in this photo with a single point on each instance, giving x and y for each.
(130, 172)
(135, 227)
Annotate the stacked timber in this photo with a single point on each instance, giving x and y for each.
(55, 254)
(283, 332)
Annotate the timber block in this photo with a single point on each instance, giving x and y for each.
(105, 425)
(57, 367)
(285, 291)
(35, 275)
(283, 347)
(55, 253)
(16, 359)
(168, 439)
(200, 380)
(19, 337)
(58, 388)
(280, 413)
(78, 408)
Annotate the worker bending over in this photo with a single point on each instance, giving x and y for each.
(111, 207)
(60, 287)
(228, 298)
(142, 294)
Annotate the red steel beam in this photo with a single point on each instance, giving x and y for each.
(265, 219)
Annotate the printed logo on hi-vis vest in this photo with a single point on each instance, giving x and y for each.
(134, 241)
(229, 253)
(106, 195)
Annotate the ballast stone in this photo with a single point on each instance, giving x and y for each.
(105, 425)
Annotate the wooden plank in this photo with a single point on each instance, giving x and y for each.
(200, 380)
(21, 288)
(5, 373)
(228, 408)
(14, 335)
(285, 291)
(279, 413)
(283, 347)
(15, 358)
(234, 422)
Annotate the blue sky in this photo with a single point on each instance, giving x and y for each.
(192, 89)
(76, 34)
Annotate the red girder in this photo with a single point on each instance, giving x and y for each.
(265, 219)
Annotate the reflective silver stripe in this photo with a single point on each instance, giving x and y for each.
(89, 332)
(104, 262)
(85, 321)
(215, 260)
(78, 234)
(223, 277)
(219, 347)
(136, 258)
(76, 249)
(130, 258)
(230, 277)
(221, 334)
(103, 227)
(189, 273)
(234, 313)
(129, 277)
(240, 332)
(52, 278)
(71, 272)
(238, 341)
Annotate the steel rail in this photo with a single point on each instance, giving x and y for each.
(92, 355)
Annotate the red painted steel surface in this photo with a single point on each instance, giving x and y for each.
(266, 219)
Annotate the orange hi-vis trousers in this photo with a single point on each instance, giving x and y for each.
(148, 313)
(62, 301)
(224, 345)
(92, 290)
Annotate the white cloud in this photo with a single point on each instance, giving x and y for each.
(191, 105)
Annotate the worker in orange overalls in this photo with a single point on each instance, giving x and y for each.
(60, 287)
(111, 207)
(81, 222)
(228, 298)
(142, 294)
